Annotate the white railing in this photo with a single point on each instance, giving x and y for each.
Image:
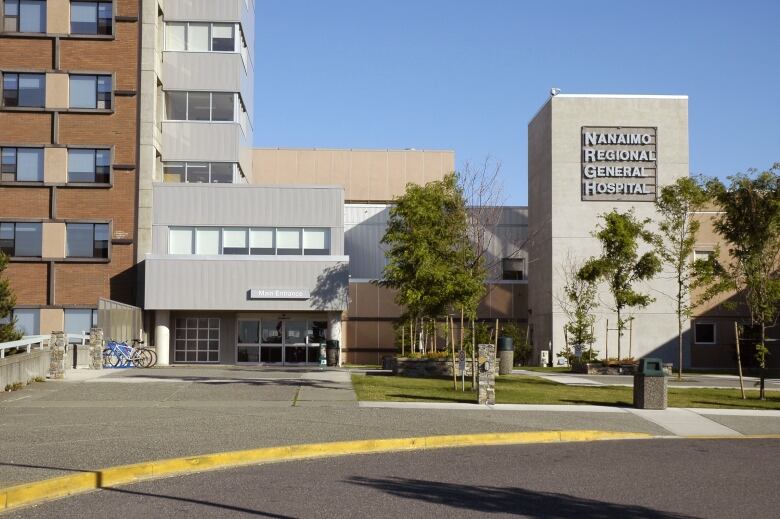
(26, 342)
(42, 341)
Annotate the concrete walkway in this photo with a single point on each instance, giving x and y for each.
(128, 416)
(690, 380)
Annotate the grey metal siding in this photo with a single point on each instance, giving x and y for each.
(364, 226)
(207, 71)
(194, 283)
(201, 141)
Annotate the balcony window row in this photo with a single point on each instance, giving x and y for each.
(85, 165)
(269, 241)
(29, 91)
(88, 18)
(201, 106)
(82, 240)
(200, 37)
(200, 172)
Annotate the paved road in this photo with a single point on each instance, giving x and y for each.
(653, 479)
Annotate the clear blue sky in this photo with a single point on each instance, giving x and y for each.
(468, 75)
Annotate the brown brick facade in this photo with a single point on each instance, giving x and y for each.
(77, 283)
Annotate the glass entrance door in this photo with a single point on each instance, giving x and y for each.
(294, 341)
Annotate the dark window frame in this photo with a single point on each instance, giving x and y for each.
(512, 275)
(17, 18)
(696, 325)
(102, 26)
(102, 174)
(106, 97)
(5, 170)
(101, 249)
(16, 103)
(13, 247)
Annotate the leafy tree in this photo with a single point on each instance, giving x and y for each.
(620, 265)
(520, 344)
(8, 331)
(431, 264)
(578, 302)
(676, 205)
(750, 224)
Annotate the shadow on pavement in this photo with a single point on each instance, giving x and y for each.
(509, 500)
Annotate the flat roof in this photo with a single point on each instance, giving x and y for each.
(294, 148)
(611, 96)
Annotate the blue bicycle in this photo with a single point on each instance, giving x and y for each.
(120, 355)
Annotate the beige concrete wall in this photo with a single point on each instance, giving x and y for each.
(52, 320)
(55, 165)
(568, 221)
(53, 235)
(58, 16)
(366, 175)
(56, 91)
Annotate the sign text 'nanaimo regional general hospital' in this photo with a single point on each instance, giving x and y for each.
(619, 163)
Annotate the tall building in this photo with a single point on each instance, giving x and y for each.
(69, 146)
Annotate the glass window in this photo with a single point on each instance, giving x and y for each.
(21, 165)
(180, 241)
(234, 241)
(7, 238)
(198, 106)
(705, 333)
(207, 242)
(83, 91)
(271, 332)
(103, 166)
(32, 16)
(316, 241)
(222, 38)
(83, 17)
(32, 90)
(197, 340)
(175, 36)
(703, 255)
(28, 320)
(105, 18)
(249, 332)
(101, 240)
(78, 320)
(173, 172)
(317, 331)
(81, 165)
(10, 89)
(8, 164)
(198, 37)
(512, 268)
(197, 173)
(104, 92)
(176, 106)
(222, 107)
(11, 15)
(21, 239)
(261, 241)
(222, 173)
(288, 241)
(80, 240)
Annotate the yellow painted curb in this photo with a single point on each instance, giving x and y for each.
(35, 492)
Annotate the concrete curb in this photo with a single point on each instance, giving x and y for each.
(48, 489)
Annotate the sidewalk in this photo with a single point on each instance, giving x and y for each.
(690, 380)
(60, 427)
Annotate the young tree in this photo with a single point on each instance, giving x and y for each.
(676, 205)
(578, 300)
(430, 262)
(750, 224)
(620, 265)
(8, 331)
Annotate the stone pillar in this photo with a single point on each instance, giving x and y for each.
(57, 344)
(650, 392)
(486, 377)
(96, 348)
(162, 336)
(334, 332)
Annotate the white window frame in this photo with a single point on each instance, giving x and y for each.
(714, 332)
(236, 31)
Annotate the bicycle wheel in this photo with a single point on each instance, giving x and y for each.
(153, 354)
(141, 359)
(110, 358)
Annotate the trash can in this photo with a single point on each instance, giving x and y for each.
(506, 355)
(650, 385)
(332, 352)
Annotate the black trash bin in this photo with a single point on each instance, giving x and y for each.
(332, 352)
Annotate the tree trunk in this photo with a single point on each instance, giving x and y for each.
(761, 393)
(620, 332)
(403, 335)
(739, 361)
(679, 347)
(454, 371)
(461, 328)
(473, 356)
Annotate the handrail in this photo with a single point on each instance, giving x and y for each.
(27, 342)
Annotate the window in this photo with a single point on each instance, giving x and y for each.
(180, 241)
(88, 165)
(512, 268)
(261, 241)
(21, 239)
(199, 172)
(87, 240)
(91, 18)
(207, 242)
(315, 242)
(234, 241)
(79, 320)
(703, 255)
(197, 340)
(200, 106)
(21, 164)
(27, 320)
(288, 242)
(24, 16)
(704, 333)
(90, 92)
(200, 37)
(24, 90)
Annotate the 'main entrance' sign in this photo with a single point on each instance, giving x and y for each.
(619, 163)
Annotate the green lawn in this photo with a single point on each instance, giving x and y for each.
(517, 389)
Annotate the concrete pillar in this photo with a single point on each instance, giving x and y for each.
(162, 336)
(334, 332)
